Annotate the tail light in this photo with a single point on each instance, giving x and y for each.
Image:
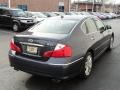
(59, 51)
(14, 47)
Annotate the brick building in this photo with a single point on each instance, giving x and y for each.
(51, 5)
(78, 5)
(38, 5)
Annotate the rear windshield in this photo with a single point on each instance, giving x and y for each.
(54, 26)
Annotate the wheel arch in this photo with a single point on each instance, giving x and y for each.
(113, 35)
(92, 52)
(16, 21)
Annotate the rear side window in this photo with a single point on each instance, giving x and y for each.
(91, 26)
(5, 12)
(88, 26)
(84, 28)
(54, 26)
(1, 12)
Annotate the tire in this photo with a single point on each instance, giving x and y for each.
(56, 80)
(87, 67)
(111, 43)
(15, 27)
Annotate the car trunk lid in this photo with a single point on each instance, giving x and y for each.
(34, 46)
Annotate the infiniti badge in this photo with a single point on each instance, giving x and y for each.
(30, 40)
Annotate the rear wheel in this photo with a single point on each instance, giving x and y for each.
(15, 27)
(87, 67)
(56, 80)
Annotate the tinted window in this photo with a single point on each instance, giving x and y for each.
(1, 11)
(54, 26)
(5, 12)
(91, 26)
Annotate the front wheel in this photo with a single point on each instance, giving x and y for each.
(15, 27)
(87, 67)
(111, 43)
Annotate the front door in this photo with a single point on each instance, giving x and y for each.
(106, 37)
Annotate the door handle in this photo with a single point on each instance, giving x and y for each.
(92, 38)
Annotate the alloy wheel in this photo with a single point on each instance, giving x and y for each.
(15, 27)
(88, 65)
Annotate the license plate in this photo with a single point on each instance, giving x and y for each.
(32, 49)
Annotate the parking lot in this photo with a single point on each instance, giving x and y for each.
(105, 76)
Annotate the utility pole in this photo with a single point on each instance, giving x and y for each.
(69, 5)
(114, 6)
(78, 6)
(93, 5)
(9, 3)
(86, 5)
(103, 6)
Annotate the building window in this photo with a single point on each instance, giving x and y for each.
(61, 7)
(23, 7)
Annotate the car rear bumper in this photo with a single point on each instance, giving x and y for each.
(57, 71)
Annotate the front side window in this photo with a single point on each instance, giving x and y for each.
(99, 24)
(54, 26)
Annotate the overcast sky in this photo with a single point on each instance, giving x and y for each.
(106, 1)
(113, 1)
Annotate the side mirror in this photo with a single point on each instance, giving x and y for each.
(102, 29)
(9, 15)
(108, 27)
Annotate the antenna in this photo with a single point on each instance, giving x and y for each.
(62, 16)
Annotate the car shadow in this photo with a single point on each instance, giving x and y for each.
(43, 83)
(8, 29)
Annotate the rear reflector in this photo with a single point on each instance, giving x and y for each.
(59, 51)
(14, 47)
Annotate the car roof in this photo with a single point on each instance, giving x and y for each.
(72, 17)
(9, 8)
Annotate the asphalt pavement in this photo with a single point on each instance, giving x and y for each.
(105, 75)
